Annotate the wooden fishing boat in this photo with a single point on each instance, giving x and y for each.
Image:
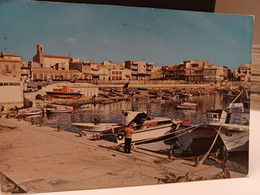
(58, 110)
(31, 112)
(233, 123)
(187, 106)
(65, 93)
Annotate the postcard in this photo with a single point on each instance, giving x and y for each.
(101, 97)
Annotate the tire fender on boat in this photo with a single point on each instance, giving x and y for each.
(120, 136)
(173, 127)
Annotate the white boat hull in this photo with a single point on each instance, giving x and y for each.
(148, 133)
(234, 137)
(235, 141)
(57, 111)
(92, 128)
(33, 113)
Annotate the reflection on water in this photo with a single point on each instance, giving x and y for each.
(113, 112)
(197, 142)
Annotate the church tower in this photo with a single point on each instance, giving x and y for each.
(40, 54)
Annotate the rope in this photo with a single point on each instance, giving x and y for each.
(206, 155)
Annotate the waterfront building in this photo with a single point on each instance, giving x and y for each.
(215, 73)
(120, 74)
(11, 92)
(157, 72)
(26, 71)
(169, 72)
(188, 71)
(84, 67)
(193, 71)
(49, 61)
(111, 65)
(48, 74)
(244, 72)
(10, 65)
(232, 75)
(196, 72)
(139, 70)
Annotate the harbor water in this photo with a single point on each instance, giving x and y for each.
(198, 142)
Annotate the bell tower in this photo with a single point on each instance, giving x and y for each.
(40, 54)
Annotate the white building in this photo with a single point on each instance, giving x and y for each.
(11, 92)
(49, 61)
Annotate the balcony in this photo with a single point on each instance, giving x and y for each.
(134, 67)
(134, 73)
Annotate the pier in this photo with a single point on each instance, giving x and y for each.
(42, 159)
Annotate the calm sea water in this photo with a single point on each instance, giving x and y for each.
(113, 113)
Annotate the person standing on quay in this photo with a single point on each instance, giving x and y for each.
(128, 138)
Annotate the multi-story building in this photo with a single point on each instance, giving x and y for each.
(49, 61)
(26, 71)
(168, 72)
(11, 92)
(215, 73)
(232, 75)
(10, 65)
(244, 72)
(84, 67)
(139, 70)
(195, 72)
(48, 74)
(187, 70)
(157, 72)
(120, 74)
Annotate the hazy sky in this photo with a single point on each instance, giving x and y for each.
(116, 33)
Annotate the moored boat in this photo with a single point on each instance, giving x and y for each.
(233, 123)
(31, 112)
(57, 110)
(65, 93)
(97, 128)
(184, 95)
(146, 127)
(187, 106)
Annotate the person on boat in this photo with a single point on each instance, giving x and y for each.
(129, 130)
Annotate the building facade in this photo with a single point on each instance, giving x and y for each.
(244, 72)
(48, 74)
(10, 65)
(215, 73)
(84, 67)
(139, 70)
(11, 92)
(49, 61)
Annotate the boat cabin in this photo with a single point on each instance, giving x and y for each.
(214, 116)
(141, 120)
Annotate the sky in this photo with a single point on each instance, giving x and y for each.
(116, 33)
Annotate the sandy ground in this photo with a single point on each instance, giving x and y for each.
(40, 159)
